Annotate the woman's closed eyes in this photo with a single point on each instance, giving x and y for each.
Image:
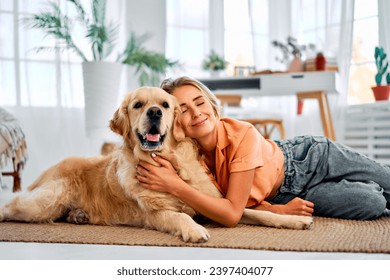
(199, 101)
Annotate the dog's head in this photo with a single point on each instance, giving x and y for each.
(146, 118)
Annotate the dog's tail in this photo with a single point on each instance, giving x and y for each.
(49, 173)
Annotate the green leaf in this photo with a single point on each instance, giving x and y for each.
(149, 64)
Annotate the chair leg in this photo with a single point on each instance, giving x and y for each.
(16, 177)
(17, 180)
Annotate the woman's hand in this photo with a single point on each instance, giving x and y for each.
(296, 206)
(162, 178)
(299, 206)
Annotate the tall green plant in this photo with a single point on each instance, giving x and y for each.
(150, 65)
(102, 38)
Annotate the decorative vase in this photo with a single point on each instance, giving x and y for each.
(296, 65)
(101, 92)
(381, 92)
(215, 73)
(320, 62)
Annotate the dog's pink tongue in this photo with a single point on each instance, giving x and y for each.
(153, 137)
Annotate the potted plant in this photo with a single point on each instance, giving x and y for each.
(101, 77)
(214, 63)
(292, 53)
(381, 92)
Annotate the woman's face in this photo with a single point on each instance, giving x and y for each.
(198, 117)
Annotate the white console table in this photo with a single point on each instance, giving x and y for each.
(275, 84)
(305, 85)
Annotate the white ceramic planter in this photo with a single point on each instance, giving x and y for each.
(101, 91)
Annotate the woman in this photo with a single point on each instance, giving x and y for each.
(301, 176)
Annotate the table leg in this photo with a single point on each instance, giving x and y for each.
(326, 116)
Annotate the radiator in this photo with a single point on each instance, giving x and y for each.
(367, 130)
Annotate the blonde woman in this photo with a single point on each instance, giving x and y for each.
(302, 176)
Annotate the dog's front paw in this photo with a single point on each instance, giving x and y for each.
(306, 222)
(300, 222)
(195, 234)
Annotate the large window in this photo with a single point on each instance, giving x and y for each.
(28, 77)
(246, 33)
(238, 33)
(7, 54)
(243, 34)
(320, 25)
(53, 79)
(188, 33)
(365, 38)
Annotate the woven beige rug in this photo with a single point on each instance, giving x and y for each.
(327, 235)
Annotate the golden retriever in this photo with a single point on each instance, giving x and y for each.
(103, 190)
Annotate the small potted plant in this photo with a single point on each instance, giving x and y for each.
(214, 63)
(292, 53)
(381, 92)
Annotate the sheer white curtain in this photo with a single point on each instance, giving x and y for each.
(345, 46)
(339, 102)
(334, 36)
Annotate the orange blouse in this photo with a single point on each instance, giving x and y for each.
(240, 147)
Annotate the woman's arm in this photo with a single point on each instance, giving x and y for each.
(296, 206)
(226, 211)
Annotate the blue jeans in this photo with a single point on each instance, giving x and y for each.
(339, 181)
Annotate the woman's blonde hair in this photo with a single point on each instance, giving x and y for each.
(170, 84)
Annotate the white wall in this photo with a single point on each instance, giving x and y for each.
(145, 17)
(148, 16)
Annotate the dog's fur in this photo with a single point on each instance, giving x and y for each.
(103, 190)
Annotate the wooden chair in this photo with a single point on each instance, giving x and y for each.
(266, 126)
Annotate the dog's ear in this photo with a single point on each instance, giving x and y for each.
(178, 131)
(120, 122)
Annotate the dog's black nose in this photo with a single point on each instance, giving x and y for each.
(154, 113)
